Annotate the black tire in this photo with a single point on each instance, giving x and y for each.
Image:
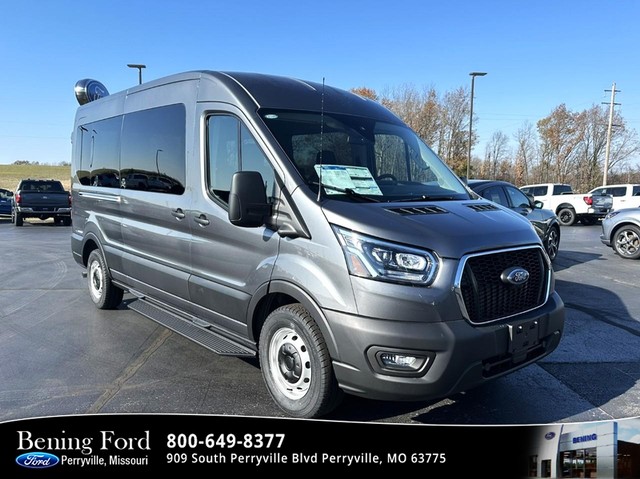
(18, 219)
(588, 220)
(553, 243)
(296, 365)
(626, 242)
(567, 216)
(103, 293)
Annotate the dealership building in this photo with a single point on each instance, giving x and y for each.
(589, 450)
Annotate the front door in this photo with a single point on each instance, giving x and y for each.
(228, 263)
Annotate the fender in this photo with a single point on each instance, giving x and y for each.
(304, 298)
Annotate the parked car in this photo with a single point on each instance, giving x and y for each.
(5, 202)
(621, 231)
(623, 196)
(42, 199)
(568, 206)
(544, 221)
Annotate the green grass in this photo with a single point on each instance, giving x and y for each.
(11, 174)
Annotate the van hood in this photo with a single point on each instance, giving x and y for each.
(449, 228)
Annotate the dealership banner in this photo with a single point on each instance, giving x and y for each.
(105, 445)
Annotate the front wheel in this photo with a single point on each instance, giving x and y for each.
(626, 242)
(567, 216)
(553, 243)
(296, 365)
(104, 294)
(18, 219)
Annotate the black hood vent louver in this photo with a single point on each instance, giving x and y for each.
(483, 207)
(418, 210)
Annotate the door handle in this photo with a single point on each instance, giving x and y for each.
(178, 213)
(201, 220)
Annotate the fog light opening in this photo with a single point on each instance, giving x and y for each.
(400, 361)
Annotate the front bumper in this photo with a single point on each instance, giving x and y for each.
(463, 356)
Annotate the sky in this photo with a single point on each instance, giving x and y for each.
(538, 54)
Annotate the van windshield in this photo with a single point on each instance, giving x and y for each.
(361, 159)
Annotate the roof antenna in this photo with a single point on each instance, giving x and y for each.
(321, 146)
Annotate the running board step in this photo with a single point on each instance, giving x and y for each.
(195, 332)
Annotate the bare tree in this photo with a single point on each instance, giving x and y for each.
(496, 153)
(453, 144)
(525, 155)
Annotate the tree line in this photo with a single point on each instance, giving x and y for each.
(564, 147)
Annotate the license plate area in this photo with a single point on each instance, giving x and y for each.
(522, 337)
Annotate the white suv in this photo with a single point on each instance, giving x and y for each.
(624, 196)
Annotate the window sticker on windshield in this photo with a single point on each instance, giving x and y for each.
(340, 178)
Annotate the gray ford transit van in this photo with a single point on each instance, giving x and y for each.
(266, 216)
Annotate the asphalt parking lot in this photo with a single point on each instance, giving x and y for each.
(60, 355)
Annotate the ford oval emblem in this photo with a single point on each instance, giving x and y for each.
(37, 460)
(515, 275)
(550, 435)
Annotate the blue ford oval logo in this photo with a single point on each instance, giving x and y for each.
(37, 460)
(515, 275)
(550, 435)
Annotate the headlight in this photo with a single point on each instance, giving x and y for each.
(611, 215)
(372, 258)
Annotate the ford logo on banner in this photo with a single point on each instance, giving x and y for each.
(550, 435)
(515, 275)
(37, 460)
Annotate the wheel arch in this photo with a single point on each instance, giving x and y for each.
(279, 293)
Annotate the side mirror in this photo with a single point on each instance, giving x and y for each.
(248, 205)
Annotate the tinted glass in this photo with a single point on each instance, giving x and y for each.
(99, 153)
(496, 194)
(153, 150)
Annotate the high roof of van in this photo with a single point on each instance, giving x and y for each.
(257, 90)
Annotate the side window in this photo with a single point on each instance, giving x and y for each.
(540, 191)
(618, 191)
(518, 198)
(153, 150)
(636, 191)
(599, 191)
(232, 148)
(496, 194)
(99, 153)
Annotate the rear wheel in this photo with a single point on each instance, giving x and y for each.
(296, 365)
(18, 219)
(104, 294)
(626, 242)
(567, 216)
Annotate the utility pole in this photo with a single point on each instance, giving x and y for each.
(606, 155)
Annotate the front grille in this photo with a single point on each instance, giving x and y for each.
(485, 298)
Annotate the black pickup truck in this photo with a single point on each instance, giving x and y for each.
(42, 199)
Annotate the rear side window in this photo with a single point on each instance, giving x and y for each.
(143, 150)
(100, 153)
(536, 190)
(496, 194)
(231, 148)
(153, 150)
(561, 189)
(617, 191)
(636, 190)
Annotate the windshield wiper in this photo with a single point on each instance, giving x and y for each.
(347, 191)
(427, 198)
